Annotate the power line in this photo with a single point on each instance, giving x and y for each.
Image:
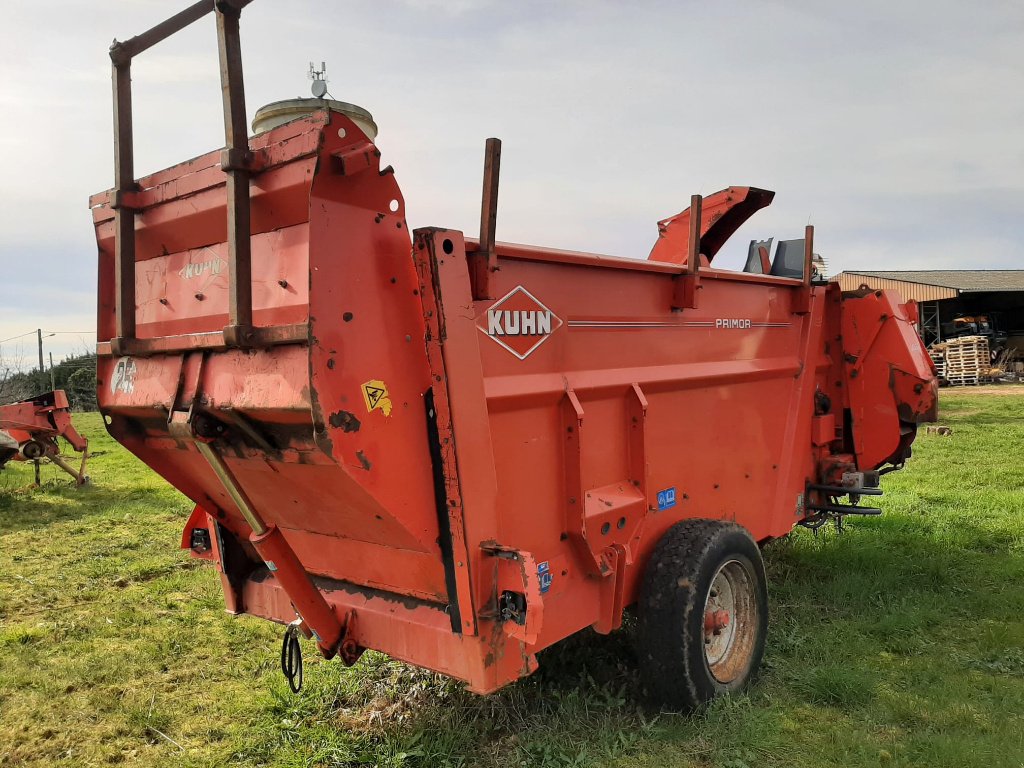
(20, 335)
(52, 333)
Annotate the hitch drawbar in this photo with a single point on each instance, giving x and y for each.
(841, 490)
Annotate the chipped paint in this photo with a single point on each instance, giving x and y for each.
(365, 462)
(345, 421)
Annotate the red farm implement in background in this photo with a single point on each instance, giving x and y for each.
(459, 451)
(29, 430)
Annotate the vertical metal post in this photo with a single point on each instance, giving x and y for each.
(931, 326)
(485, 260)
(236, 163)
(808, 255)
(53, 381)
(693, 257)
(684, 295)
(124, 162)
(802, 300)
(124, 182)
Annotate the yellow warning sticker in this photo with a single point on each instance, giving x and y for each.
(375, 394)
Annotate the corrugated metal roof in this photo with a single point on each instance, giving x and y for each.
(962, 280)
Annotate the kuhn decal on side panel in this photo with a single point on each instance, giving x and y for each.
(519, 322)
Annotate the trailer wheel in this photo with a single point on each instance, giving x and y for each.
(702, 614)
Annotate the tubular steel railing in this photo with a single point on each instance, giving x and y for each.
(236, 161)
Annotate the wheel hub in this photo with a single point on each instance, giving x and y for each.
(729, 621)
(715, 622)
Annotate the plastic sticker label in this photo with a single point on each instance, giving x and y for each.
(124, 377)
(666, 499)
(375, 395)
(545, 575)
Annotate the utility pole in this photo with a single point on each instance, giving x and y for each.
(42, 380)
(39, 333)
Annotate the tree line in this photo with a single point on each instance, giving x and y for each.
(76, 375)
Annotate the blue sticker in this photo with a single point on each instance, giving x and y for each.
(546, 577)
(666, 499)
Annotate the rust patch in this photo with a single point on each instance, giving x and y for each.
(363, 460)
(345, 421)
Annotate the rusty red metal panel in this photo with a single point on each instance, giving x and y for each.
(306, 400)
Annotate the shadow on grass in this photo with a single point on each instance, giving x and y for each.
(55, 501)
(579, 707)
(885, 586)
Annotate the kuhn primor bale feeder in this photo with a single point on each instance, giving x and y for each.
(459, 452)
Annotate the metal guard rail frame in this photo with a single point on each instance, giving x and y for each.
(237, 161)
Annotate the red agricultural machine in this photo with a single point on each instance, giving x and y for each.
(461, 451)
(29, 430)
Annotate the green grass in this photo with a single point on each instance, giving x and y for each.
(898, 643)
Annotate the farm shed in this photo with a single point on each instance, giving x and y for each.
(948, 295)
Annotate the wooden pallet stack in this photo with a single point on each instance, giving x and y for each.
(967, 360)
(939, 358)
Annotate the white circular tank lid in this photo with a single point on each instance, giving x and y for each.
(280, 112)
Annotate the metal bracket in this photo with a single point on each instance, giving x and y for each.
(598, 519)
(238, 159)
(125, 199)
(521, 611)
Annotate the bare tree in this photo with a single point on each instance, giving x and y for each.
(12, 386)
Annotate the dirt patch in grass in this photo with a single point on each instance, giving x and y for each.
(1012, 390)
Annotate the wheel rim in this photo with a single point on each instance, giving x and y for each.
(730, 622)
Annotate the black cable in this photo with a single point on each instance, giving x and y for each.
(291, 658)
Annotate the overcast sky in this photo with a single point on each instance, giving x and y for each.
(894, 127)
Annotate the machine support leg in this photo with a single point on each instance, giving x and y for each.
(80, 478)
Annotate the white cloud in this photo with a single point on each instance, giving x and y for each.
(893, 127)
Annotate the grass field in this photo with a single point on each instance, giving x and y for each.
(897, 643)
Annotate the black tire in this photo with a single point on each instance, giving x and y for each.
(678, 668)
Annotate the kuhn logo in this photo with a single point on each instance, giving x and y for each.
(197, 268)
(519, 322)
